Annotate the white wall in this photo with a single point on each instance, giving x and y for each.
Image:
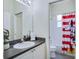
(62, 7)
(40, 19)
(8, 6)
(6, 20)
(8, 16)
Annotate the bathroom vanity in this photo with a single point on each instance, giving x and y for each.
(37, 51)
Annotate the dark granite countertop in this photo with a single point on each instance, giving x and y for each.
(12, 52)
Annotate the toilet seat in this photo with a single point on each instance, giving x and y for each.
(52, 51)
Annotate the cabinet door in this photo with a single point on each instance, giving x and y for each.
(26, 55)
(39, 52)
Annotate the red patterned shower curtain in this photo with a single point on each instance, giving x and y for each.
(68, 33)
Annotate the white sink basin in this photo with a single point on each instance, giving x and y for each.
(23, 45)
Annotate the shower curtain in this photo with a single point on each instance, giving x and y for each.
(68, 33)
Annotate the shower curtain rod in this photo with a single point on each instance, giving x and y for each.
(55, 1)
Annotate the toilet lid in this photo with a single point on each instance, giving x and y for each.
(52, 48)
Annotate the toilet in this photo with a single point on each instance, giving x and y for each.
(52, 52)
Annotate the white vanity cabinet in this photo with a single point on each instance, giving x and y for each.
(26, 55)
(35, 53)
(39, 52)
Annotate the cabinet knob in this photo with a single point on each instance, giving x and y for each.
(33, 50)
